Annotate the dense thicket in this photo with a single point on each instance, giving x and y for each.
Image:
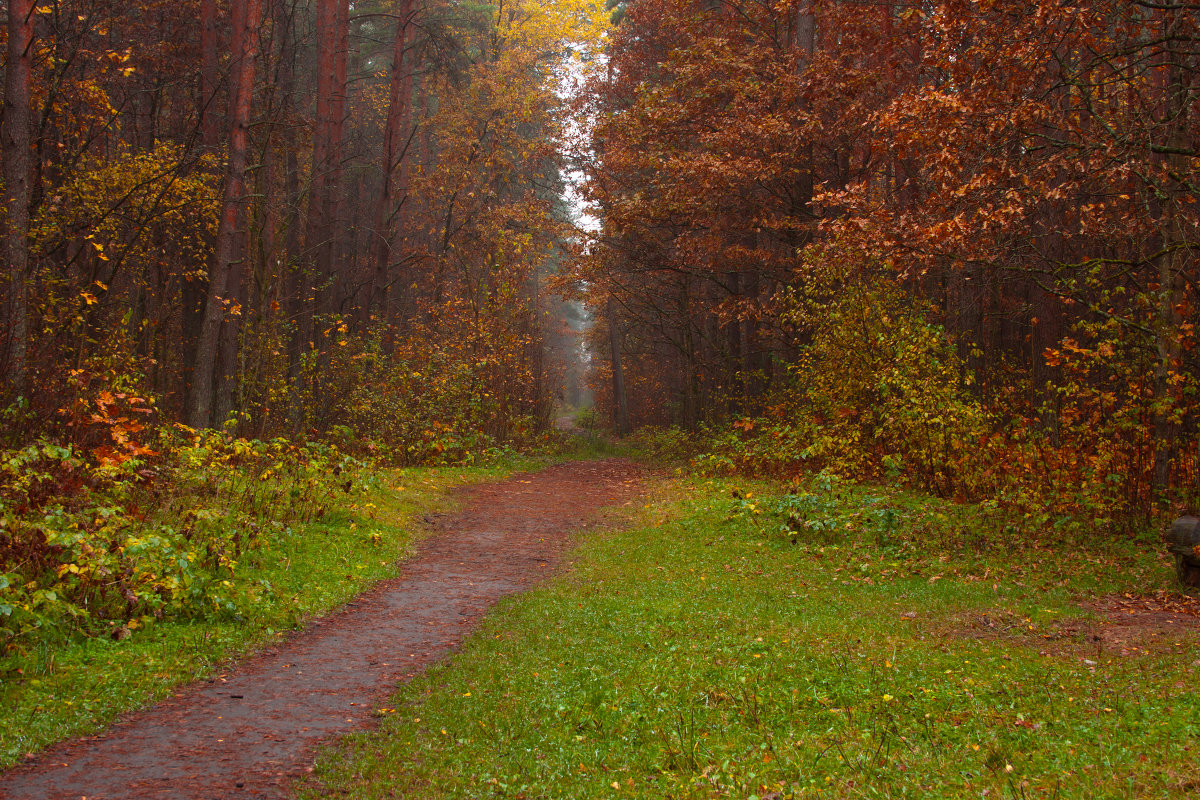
(954, 239)
(291, 214)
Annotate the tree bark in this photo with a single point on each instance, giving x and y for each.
(246, 18)
(295, 279)
(194, 288)
(15, 149)
(620, 400)
(209, 76)
(336, 266)
(395, 145)
(319, 230)
(1172, 265)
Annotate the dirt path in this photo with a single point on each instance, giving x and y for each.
(249, 732)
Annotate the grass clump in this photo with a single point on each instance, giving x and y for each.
(834, 642)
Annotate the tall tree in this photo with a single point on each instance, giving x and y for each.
(396, 139)
(18, 170)
(321, 234)
(247, 16)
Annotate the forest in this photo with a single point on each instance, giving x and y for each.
(946, 244)
(278, 273)
(952, 241)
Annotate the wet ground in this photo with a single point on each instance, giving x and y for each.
(251, 731)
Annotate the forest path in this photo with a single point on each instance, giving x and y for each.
(251, 731)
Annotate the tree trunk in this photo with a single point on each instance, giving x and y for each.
(246, 15)
(319, 233)
(336, 265)
(15, 149)
(295, 279)
(194, 288)
(620, 400)
(395, 145)
(1172, 264)
(209, 76)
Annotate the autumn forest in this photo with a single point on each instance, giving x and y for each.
(828, 368)
(948, 244)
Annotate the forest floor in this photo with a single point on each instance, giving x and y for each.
(750, 640)
(708, 638)
(251, 730)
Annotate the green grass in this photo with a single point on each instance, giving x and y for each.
(53, 691)
(702, 654)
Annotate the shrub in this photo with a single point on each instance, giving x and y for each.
(91, 546)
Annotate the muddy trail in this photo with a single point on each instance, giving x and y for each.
(251, 731)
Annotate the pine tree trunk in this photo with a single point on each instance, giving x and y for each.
(209, 76)
(395, 145)
(320, 234)
(1172, 264)
(194, 288)
(334, 261)
(620, 400)
(246, 17)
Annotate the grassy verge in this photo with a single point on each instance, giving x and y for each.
(53, 691)
(878, 645)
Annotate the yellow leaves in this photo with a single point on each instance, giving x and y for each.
(149, 186)
(99, 248)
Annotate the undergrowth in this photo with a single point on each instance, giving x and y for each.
(101, 547)
(126, 591)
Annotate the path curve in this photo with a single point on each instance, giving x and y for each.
(250, 732)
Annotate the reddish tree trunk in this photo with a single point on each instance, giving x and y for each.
(395, 145)
(246, 17)
(620, 399)
(194, 288)
(209, 76)
(319, 231)
(335, 266)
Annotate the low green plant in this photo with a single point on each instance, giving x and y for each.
(662, 444)
(95, 546)
(816, 510)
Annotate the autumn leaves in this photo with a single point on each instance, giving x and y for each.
(791, 193)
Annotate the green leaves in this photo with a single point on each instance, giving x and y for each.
(120, 550)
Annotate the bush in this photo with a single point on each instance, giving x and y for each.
(878, 392)
(92, 546)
